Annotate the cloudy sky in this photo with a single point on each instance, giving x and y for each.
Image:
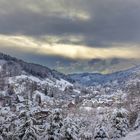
(46, 31)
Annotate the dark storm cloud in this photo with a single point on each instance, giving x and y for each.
(108, 20)
(38, 25)
(38, 30)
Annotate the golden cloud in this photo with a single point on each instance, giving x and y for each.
(28, 44)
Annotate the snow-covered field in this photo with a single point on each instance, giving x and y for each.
(135, 135)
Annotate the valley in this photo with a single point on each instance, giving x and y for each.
(38, 103)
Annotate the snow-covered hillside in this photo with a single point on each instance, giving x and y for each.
(38, 103)
(60, 84)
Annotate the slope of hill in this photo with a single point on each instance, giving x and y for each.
(16, 67)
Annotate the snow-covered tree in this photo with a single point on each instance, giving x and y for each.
(53, 130)
(69, 130)
(120, 124)
(101, 132)
(137, 123)
(26, 131)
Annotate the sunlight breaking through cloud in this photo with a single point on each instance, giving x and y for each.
(29, 44)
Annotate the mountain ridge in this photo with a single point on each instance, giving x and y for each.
(89, 79)
(35, 69)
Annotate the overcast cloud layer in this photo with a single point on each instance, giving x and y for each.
(83, 29)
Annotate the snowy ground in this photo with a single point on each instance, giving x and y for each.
(135, 135)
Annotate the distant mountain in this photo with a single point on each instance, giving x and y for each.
(104, 66)
(90, 79)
